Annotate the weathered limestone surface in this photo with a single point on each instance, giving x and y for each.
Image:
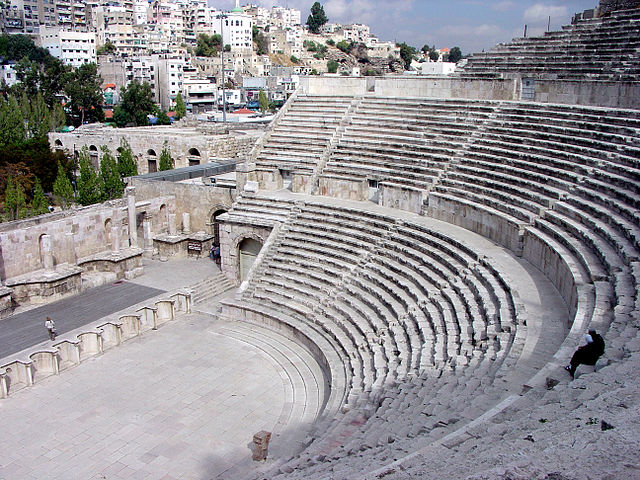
(187, 145)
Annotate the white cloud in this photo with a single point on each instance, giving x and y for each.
(503, 6)
(540, 13)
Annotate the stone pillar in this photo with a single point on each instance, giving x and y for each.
(244, 172)
(148, 236)
(130, 192)
(70, 240)
(45, 250)
(261, 445)
(172, 224)
(186, 223)
(115, 240)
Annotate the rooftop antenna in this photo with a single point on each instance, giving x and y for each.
(549, 24)
(525, 31)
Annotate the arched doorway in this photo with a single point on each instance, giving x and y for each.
(152, 160)
(194, 157)
(215, 226)
(249, 250)
(93, 156)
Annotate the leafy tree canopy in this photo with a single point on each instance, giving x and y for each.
(90, 185)
(137, 103)
(317, 18)
(107, 49)
(127, 165)
(180, 107)
(407, 54)
(84, 90)
(332, 66)
(208, 45)
(166, 162)
(113, 187)
(455, 54)
(62, 188)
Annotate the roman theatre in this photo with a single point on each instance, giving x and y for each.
(407, 264)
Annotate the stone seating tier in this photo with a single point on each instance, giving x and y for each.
(605, 48)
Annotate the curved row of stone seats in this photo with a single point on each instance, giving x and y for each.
(32, 367)
(599, 48)
(404, 141)
(300, 136)
(397, 300)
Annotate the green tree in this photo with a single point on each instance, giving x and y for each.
(332, 66)
(331, 42)
(127, 166)
(11, 123)
(166, 162)
(163, 118)
(113, 185)
(455, 55)
(180, 108)
(208, 45)
(39, 203)
(120, 117)
(294, 59)
(261, 41)
(90, 186)
(434, 55)
(62, 189)
(263, 101)
(407, 53)
(317, 18)
(84, 90)
(39, 119)
(14, 200)
(137, 102)
(344, 46)
(107, 49)
(227, 48)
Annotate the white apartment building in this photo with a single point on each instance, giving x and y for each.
(356, 33)
(128, 39)
(236, 29)
(141, 12)
(170, 71)
(199, 94)
(261, 15)
(73, 48)
(168, 17)
(8, 75)
(281, 17)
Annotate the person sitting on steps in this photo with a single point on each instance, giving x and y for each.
(587, 354)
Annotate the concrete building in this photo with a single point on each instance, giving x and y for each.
(236, 29)
(73, 48)
(199, 94)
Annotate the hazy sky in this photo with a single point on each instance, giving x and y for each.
(472, 25)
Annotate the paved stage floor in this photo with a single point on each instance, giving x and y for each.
(182, 402)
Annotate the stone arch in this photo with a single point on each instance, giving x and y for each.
(152, 161)
(163, 219)
(57, 143)
(213, 224)
(107, 232)
(93, 156)
(193, 152)
(45, 251)
(248, 250)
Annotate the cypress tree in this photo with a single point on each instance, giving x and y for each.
(62, 189)
(14, 200)
(166, 162)
(113, 186)
(90, 188)
(39, 204)
(127, 165)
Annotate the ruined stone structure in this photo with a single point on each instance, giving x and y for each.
(188, 145)
(421, 330)
(438, 248)
(608, 6)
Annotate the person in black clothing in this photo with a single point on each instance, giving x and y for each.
(587, 354)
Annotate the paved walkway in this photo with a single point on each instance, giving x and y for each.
(182, 402)
(26, 329)
(23, 330)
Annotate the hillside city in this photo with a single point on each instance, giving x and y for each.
(178, 47)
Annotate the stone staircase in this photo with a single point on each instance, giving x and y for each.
(210, 288)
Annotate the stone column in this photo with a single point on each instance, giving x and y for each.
(186, 223)
(148, 235)
(244, 172)
(45, 250)
(115, 240)
(173, 230)
(130, 192)
(70, 239)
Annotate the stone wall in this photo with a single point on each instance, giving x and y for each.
(410, 86)
(230, 237)
(200, 201)
(607, 6)
(75, 234)
(573, 92)
(187, 145)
